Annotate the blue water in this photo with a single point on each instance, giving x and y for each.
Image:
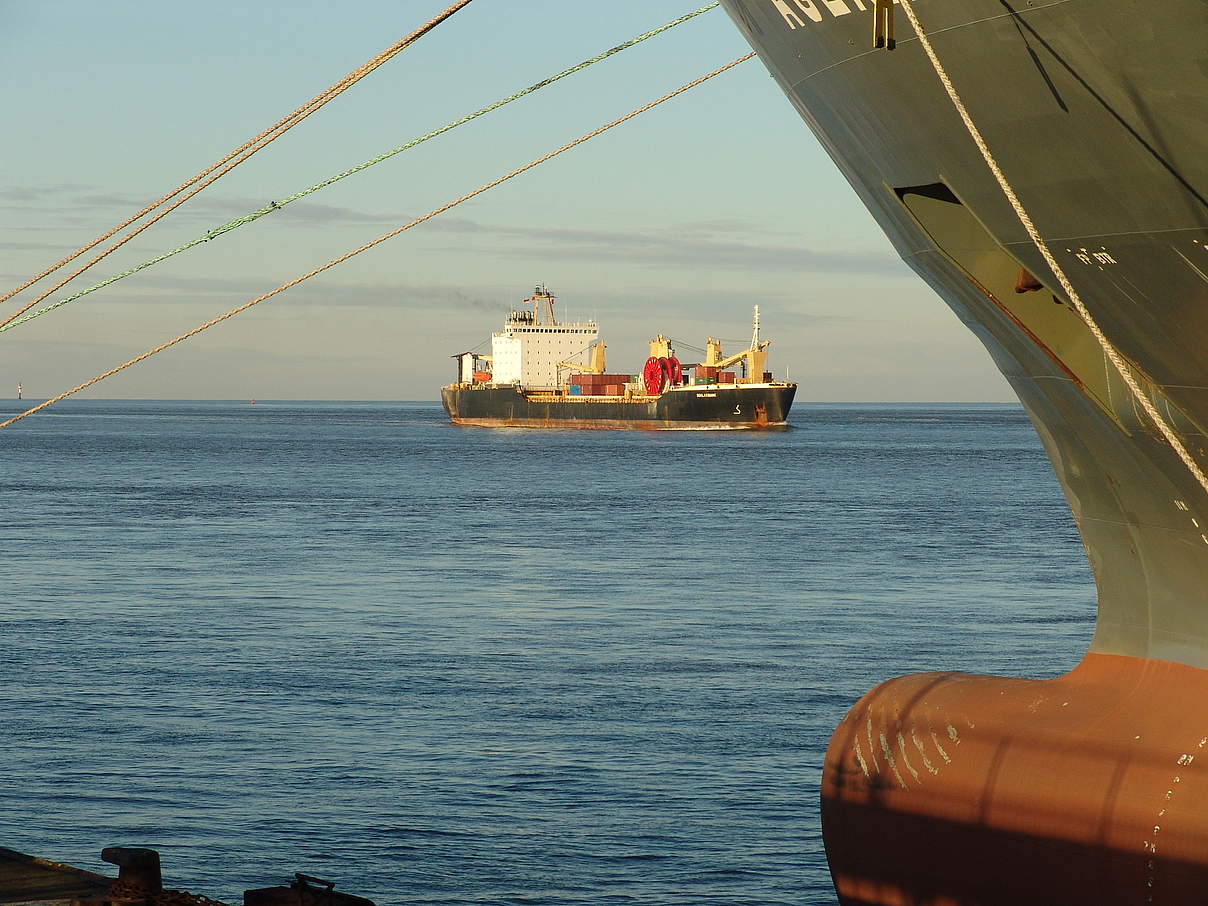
(443, 665)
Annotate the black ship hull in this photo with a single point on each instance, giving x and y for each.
(701, 408)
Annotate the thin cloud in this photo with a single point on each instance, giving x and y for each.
(31, 247)
(664, 250)
(733, 225)
(37, 194)
(719, 244)
(176, 290)
(215, 293)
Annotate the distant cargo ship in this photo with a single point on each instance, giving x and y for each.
(531, 380)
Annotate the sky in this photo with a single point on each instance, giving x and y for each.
(675, 223)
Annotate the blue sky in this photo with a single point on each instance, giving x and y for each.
(675, 223)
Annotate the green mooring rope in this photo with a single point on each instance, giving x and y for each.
(277, 205)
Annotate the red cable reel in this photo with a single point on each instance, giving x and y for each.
(661, 373)
(652, 376)
(677, 372)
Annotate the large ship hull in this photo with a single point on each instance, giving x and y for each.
(702, 408)
(1093, 787)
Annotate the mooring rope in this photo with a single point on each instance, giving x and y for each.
(18, 319)
(1109, 350)
(390, 235)
(223, 166)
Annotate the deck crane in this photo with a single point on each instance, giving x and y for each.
(597, 361)
(755, 356)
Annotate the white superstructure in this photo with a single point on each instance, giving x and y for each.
(528, 349)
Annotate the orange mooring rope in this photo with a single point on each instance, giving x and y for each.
(368, 245)
(227, 163)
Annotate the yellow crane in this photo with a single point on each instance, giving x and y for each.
(755, 356)
(597, 362)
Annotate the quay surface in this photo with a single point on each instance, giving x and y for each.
(25, 879)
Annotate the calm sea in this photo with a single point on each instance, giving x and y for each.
(442, 665)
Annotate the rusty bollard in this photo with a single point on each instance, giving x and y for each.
(138, 869)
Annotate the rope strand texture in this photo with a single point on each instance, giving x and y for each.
(1109, 350)
(223, 166)
(19, 318)
(390, 235)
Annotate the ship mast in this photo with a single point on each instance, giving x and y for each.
(541, 294)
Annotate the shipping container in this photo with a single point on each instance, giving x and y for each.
(725, 377)
(575, 390)
(599, 384)
(596, 380)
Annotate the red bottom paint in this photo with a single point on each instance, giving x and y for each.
(947, 789)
